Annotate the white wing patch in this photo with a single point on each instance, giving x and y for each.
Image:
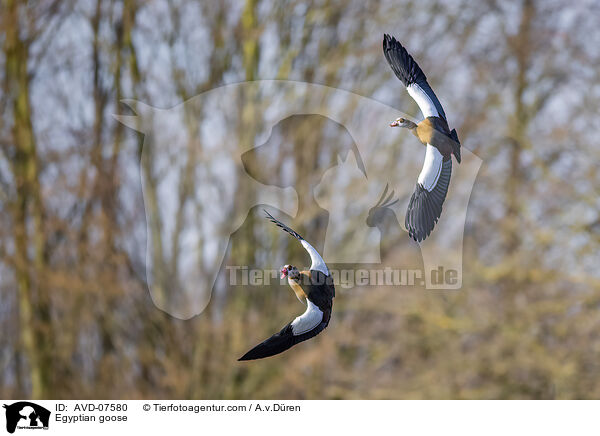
(432, 168)
(310, 319)
(425, 103)
(318, 264)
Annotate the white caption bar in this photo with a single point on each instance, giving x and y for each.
(299, 417)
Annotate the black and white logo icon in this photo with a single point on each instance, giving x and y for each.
(26, 415)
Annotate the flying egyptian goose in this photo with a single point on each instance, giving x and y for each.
(425, 205)
(314, 286)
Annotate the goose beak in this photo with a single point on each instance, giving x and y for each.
(284, 273)
(394, 123)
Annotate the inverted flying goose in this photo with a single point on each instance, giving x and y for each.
(315, 287)
(425, 206)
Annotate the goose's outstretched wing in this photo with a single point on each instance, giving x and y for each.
(411, 75)
(318, 264)
(312, 322)
(425, 206)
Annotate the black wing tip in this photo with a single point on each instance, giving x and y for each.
(269, 216)
(282, 226)
(245, 358)
(261, 351)
(278, 343)
(258, 352)
(402, 63)
(419, 236)
(389, 43)
(389, 40)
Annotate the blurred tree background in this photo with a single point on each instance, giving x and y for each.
(520, 82)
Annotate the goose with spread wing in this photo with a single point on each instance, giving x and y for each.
(315, 287)
(425, 206)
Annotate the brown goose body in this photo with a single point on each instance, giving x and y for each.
(435, 131)
(296, 285)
